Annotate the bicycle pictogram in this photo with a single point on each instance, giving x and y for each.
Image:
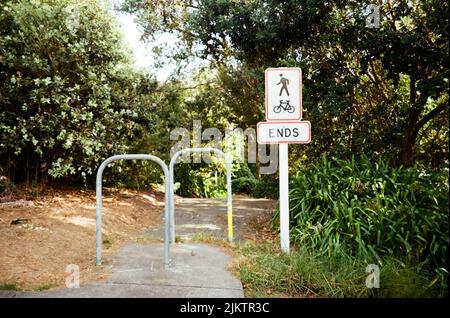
(285, 106)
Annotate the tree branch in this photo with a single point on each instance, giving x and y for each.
(425, 119)
(377, 81)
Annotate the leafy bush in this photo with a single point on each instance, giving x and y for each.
(243, 180)
(200, 181)
(138, 174)
(372, 210)
(267, 187)
(68, 94)
(244, 185)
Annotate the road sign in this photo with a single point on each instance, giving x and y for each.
(284, 126)
(284, 132)
(283, 94)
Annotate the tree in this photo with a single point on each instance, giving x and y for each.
(366, 90)
(68, 94)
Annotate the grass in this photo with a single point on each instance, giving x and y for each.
(8, 287)
(209, 238)
(43, 287)
(200, 237)
(147, 239)
(267, 272)
(107, 242)
(203, 237)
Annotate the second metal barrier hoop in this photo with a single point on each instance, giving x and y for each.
(171, 190)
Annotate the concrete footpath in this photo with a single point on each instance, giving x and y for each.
(209, 216)
(196, 271)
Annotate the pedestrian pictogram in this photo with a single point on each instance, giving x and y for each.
(284, 82)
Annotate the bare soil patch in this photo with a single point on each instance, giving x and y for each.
(41, 235)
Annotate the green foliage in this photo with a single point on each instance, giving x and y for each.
(43, 287)
(267, 187)
(200, 181)
(68, 94)
(204, 181)
(243, 180)
(371, 210)
(8, 287)
(265, 271)
(379, 91)
(137, 174)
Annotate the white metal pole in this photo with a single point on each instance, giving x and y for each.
(171, 203)
(284, 197)
(98, 227)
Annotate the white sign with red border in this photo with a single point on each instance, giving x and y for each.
(283, 94)
(284, 132)
(284, 126)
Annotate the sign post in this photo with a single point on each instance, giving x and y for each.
(284, 125)
(284, 196)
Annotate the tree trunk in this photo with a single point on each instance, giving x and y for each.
(413, 125)
(407, 150)
(406, 155)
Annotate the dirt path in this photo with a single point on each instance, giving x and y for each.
(194, 216)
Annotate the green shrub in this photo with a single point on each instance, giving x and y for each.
(199, 180)
(138, 174)
(267, 187)
(244, 185)
(371, 211)
(243, 180)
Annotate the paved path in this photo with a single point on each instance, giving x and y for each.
(210, 216)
